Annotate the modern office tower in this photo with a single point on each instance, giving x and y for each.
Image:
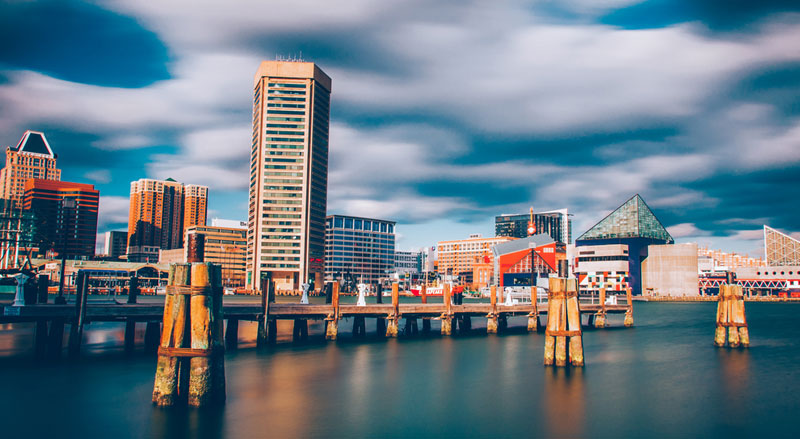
(157, 214)
(406, 263)
(555, 223)
(116, 243)
(195, 205)
(31, 158)
(288, 174)
(66, 216)
(360, 248)
(225, 246)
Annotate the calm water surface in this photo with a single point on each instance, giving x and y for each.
(662, 378)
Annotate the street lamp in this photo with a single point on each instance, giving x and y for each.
(65, 203)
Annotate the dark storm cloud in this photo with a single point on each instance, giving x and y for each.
(771, 194)
(777, 85)
(716, 15)
(80, 42)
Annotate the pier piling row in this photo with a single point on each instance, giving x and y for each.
(731, 319)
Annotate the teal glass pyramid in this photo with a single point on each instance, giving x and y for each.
(633, 219)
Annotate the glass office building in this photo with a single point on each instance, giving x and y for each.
(359, 247)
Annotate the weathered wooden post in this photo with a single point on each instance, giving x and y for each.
(207, 365)
(41, 324)
(391, 328)
(426, 323)
(533, 316)
(193, 317)
(172, 371)
(600, 317)
(731, 315)
(629, 313)
(130, 323)
(447, 317)
(563, 322)
(152, 335)
(332, 331)
(76, 330)
(491, 319)
(380, 322)
(232, 334)
(574, 331)
(266, 287)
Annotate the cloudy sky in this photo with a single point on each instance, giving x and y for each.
(444, 113)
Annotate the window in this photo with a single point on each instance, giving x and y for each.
(348, 223)
(391, 228)
(383, 227)
(358, 224)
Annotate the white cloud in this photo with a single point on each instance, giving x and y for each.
(99, 176)
(113, 210)
(685, 230)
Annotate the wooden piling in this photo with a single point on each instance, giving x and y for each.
(628, 322)
(600, 317)
(391, 328)
(447, 317)
(175, 335)
(76, 330)
(731, 317)
(232, 334)
(411, 328)
(40, 336)
(300, 330)
(207, 370)
(152, 335)
(491, 319)
(426, 323)
(267, 288)
(359, 327)
(563, 322)
(533, 316)
(332, 330)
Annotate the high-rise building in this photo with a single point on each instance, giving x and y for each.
(288, 174)
(157, 215)
(66, 216)
(31, 158)
(195, 205)
(359, 247)
(555, 223)
(116, 243)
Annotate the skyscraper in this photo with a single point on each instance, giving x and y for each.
(288, 174)
(360, 247)
(66, 216)
(157, 214)
(31, 158)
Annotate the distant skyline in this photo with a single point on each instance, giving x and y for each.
(443, 114)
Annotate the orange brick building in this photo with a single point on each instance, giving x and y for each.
(158, 215)
(462, 257)
(31, 158)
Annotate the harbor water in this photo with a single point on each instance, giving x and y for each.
(662, 378)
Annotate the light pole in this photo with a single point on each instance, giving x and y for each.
(65, 203)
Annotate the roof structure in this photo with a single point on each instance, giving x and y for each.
(516, 245)
(633, 219)
(34, 142)
(780, 249)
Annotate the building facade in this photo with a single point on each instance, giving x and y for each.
(116, 243)
(361, 248)
(226, 246)
(522, 261)
(780, 248)
(31, 158)
(66, 216)
(460, 257)
(556, 223)
(671, 270)
(288, 174)
(632, 224)
(407, 263)
(157, 214)
(601, 266)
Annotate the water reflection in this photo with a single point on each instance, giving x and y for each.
(563, 400)
(180, 422)
(734, 367)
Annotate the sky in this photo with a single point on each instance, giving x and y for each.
(444, 113)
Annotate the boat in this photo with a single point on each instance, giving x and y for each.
(436, 290)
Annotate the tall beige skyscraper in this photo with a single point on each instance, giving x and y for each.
(288, 174)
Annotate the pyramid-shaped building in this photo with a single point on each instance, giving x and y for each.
(622, 236)
(780, 249)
